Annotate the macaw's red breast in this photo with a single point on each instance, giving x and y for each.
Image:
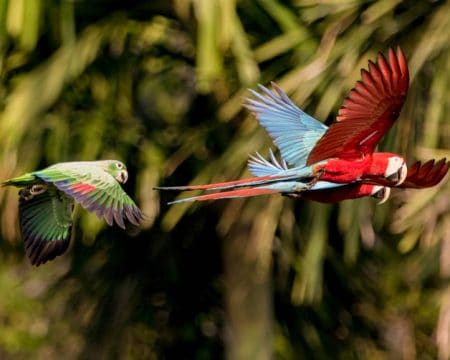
(384, 169)
(342, 171)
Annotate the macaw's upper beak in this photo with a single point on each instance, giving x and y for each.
(382, 193)
(122, 177)
(399, 176)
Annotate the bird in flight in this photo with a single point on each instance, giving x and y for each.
(340, 158)
(47, 198)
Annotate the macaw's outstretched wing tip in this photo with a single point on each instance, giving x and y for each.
(429, 174)
(368, 112)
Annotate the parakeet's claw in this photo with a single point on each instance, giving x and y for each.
(34, 190)
(38, 189)
(25, 194)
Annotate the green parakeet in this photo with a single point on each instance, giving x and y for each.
(47, 198)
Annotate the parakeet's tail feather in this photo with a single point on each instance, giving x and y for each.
(227, 195)
(23, 180)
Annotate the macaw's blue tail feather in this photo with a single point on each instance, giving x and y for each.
(303, 174)
(224, 185)
(275, 188)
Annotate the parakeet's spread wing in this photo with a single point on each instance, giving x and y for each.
(294, 132)
(368, 112)
(45, 222)
(95, 189)
(426, 175)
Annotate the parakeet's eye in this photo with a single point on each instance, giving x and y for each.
(119, 165)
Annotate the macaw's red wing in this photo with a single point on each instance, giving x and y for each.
(368, 112)
(426, 175)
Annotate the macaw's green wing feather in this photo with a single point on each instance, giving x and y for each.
(45, 221)
(96, 190)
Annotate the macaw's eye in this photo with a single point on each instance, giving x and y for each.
(119, 165)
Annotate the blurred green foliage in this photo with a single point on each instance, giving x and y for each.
(159, 85)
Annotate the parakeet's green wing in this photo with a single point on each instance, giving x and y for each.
(95, 189)
(46, 223)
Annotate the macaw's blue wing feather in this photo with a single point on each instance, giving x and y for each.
(263, 167)
(259, 166)
(294, 132)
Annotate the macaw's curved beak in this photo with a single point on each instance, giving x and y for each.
(381, 192)
(399, 176)
(122, 177)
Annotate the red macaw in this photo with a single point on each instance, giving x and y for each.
(322, 157)
(419, 176)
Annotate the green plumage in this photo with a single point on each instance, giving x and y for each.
(22, 181)
(47, 198)
(46, 223)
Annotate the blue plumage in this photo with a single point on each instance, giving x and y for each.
(294, 132)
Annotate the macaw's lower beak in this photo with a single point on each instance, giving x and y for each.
(122, 177)
(382, 193)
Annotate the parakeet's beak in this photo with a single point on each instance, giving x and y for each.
(122, 177)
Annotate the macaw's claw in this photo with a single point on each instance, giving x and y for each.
(315, 179)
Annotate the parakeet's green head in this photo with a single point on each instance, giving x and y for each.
(116, 169)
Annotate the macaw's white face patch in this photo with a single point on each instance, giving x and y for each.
(396, 170)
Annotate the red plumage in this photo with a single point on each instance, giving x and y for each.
(429, 174)
(368, 112)
(82, 188)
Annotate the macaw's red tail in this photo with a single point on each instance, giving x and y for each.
(259, 180)
(228, 194)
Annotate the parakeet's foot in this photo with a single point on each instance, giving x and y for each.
(38, 189)
(31, 192)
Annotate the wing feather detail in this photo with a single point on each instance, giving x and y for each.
(294, 132)
(45, 223)
(429, 174)
(368, 112)
(96, 191)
